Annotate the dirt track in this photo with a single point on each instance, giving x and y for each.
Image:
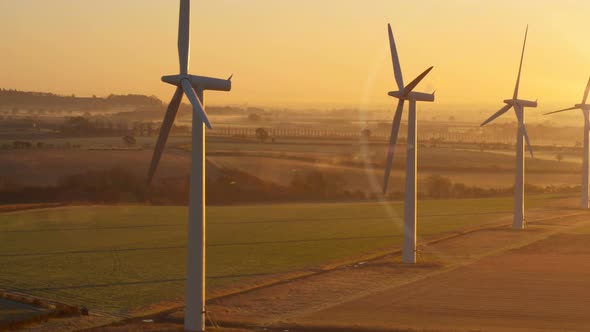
(513, 291)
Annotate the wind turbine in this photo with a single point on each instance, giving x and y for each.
(193, 87)
(518, 105)
(405, 93)
(584, 107)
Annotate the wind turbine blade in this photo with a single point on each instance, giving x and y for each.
(164, 132)
(586, 92)
(528, 143)
(197, 106)
(515, 95)
(523, 128)
(397, 71)
(184, 20)
(563, 110)
(497, 114)
(415, 82)
(397, 119)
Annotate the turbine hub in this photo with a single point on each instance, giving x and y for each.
(396, 94)
(521, 102)
(510, 102)
(412, 95)
(199, 82)
(175, 79)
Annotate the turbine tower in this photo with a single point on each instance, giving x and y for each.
(193, 87)
(405, 93)
(584, 107)
(518, 105)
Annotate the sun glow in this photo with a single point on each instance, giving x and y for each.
(304, 53)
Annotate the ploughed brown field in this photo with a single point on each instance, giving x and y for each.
(488, 279)
(356, 166)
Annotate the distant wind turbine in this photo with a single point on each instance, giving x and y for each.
(193, 87)
(519, 105)
(405, 93)
(584, 107)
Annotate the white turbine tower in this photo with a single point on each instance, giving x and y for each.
(519, 105)
(403, 94)
(193, 87)
(584, 107)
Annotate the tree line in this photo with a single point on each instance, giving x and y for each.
(119, 185)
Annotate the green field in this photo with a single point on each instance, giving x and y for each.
(117, 258)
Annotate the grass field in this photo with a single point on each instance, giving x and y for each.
(118, 258)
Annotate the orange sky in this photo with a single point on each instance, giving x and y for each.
(327, 53)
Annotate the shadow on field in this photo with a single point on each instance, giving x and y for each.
(356, 218)
(145, 282)
(82, 252)
(129, 283)
(41, 230)
(344, 238)
(230, 244)
(90, 228)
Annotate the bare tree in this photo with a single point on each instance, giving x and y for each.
(559, 157)
(262, 134)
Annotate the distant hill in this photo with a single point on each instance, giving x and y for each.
(26, 100)
(130, 107)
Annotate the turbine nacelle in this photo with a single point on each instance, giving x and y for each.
(582, 106)
(200, 83)
(520, 102)
(417, 96)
